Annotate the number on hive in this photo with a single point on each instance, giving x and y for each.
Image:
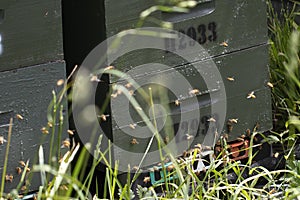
(201, 34)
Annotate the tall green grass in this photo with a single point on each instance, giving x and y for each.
(284, 65)
(285, 74)
(59, 182)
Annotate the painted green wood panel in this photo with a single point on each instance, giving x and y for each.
(239, 23)
(250, 72)
(122, 15)
(211, 24)
(30, 32)
(28, 92)
(234, 32)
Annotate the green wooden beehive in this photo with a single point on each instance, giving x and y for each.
(30, 32)
(235, 39)
(26, 92)
(31, 54)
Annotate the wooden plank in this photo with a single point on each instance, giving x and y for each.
(250, 72)
(227, 21)
(31, 33)
(27, 92)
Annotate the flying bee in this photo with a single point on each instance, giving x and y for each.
(270, 85)
(23, 188)
(114, 95)
(189, 137)
(211, 120)
(20, 117)
(44, 130)
(27, 169)
(146, 179)
(194, 92)
(132, 126)
(60, 82)
(50, 124)
(251, 95)
(134, 141)
(109, 68)
(9, 177)
(66, 143)
(235, 121)
(224, 44)
(70, 132)
(64, 187)
(18, 170)
(170, 168)
(177, 102)
(155, 168)
(199, 146)
(131, 92)
(230, 78)
(207, 148)
(2, 140)
(94, 78)
(22, 163)
(138, 108)
(150, 169)
(103, 117)
(128, 85)
(272, 191)
(119, 92)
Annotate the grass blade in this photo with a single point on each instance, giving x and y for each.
(42, 162)
(6, 156)
(68, 157)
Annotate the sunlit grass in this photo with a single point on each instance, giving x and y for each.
(223, 179)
